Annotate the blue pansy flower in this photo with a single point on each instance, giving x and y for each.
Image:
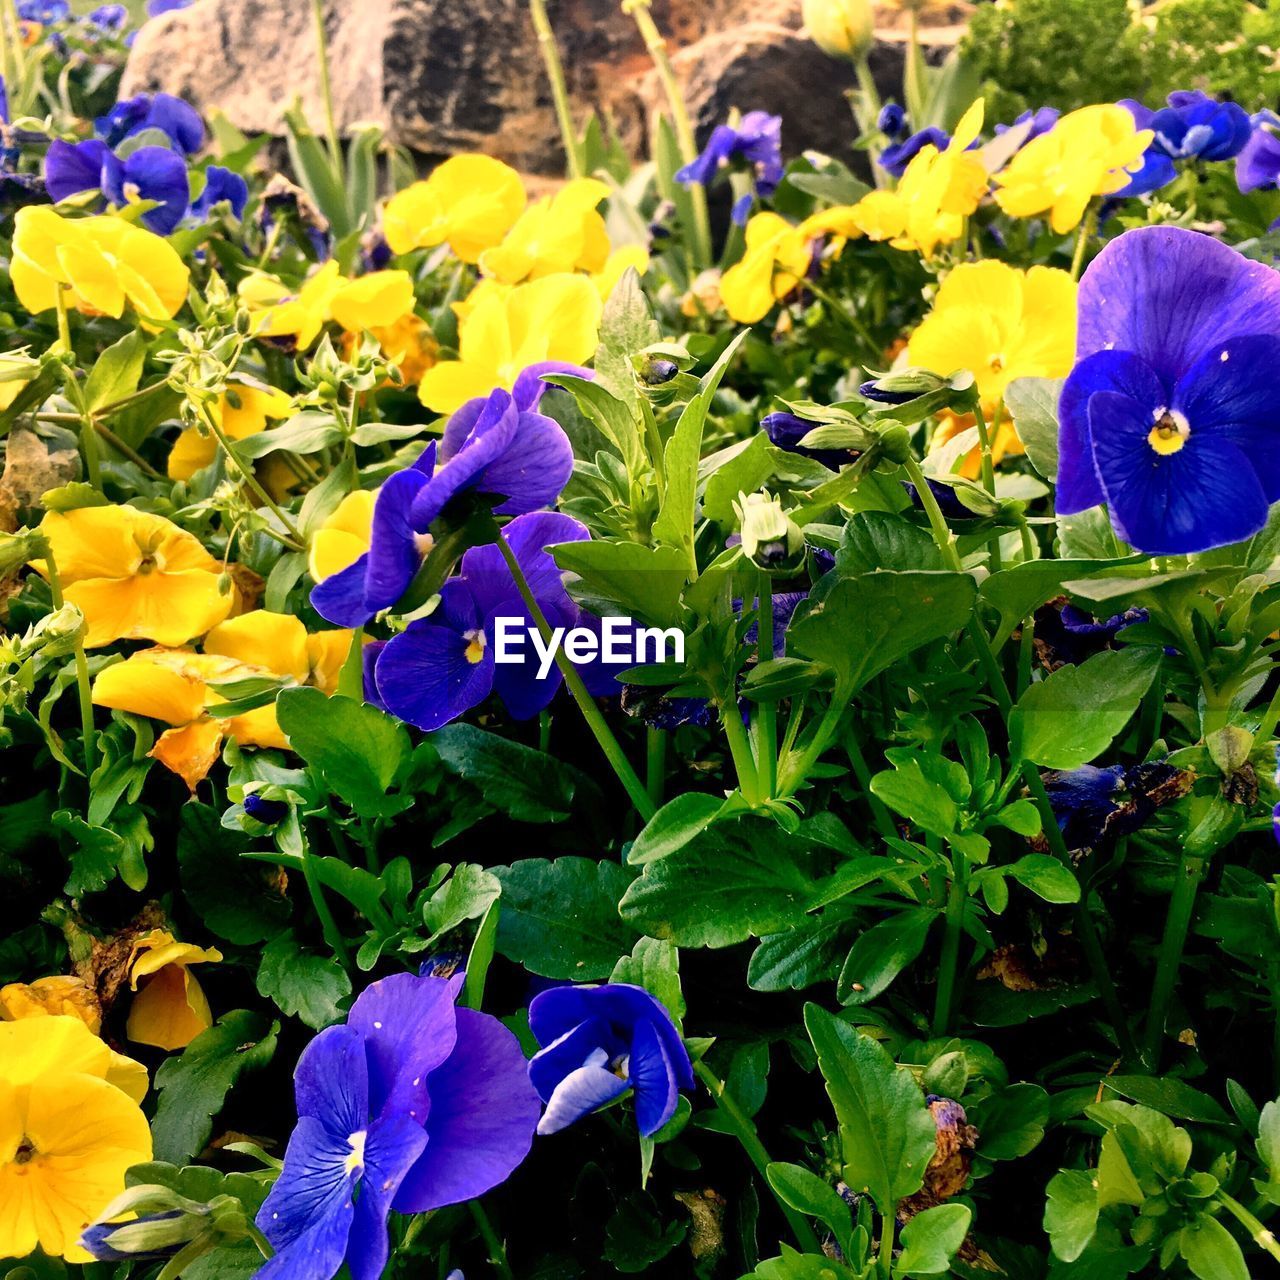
(110, 17)
(412, 1105)
(497, 446)
(221, 185)
(156, 7)
(895, 159)
(600, 1042)
(1194, 125)
(1093, 803)
(1258, 164)
(178, 120)
(441, 666)
(149, 173)
(1067, 634)
(756, 141)
(44, 12)
(1171, 416)
(892, 120)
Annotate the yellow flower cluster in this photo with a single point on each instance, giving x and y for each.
(97, 265)
(177, 686)
(70, 1126)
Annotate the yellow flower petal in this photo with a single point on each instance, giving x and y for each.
(144, 686)
(170, 1010)
(344, 536)
(277, 642)
(190, 751)
(373, 301)
(61, 995)
(34, 1048)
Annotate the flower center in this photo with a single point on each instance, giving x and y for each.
(1169, 433)
(425, 543)
(26, 1151)
(355, 1161)
(474, 651)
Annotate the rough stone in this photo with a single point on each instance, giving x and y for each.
(442, 76)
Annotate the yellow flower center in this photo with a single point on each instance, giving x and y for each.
(26, 1151)
(474, 651)
(425, 544)
(355, 1160)
(1169, 433)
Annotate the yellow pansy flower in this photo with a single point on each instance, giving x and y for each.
(102, 263)
(469, 202)
(562, 232)
(938, 191)
(773, 263)
(277, 643)
(170, 1008)
(135, 575)
(61, 995)
(68, 1133)
(373, 301)
(241, 411)
(616, 266)
(999, 323)
(33, 1048)
(343, 537)
(1086, 154)
(556, 317)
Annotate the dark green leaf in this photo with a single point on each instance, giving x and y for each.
(303, 984)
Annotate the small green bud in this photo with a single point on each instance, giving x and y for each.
(771, 540)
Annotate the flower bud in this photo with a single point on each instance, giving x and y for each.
(771, 540)
(842, 28)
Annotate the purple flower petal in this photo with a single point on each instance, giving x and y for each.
(331, 1082)
(70, 168)
(529, 386)
(151, 173)
(1120, 371)
(221, 186)
(392, 1144)
(410, 1027)
(554, 1061)
(535, 468)
(395, 554)
(483, 1115)
(653, 1078)
(582, 1091)
(340, 597)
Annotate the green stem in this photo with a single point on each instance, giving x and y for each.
(657, 49)
(942, 534)
(250, 480)
(559, 92)
(1089, 941)
(744, 1130)
(744, 763)
(984, 450)
(596, 722)
(492, 1241)
(888, 1223)
(1262, 1236)
(1088, 225)
(326, 87)
(1182, 905)
(858, 763)
(84, 689)
(765, 720)
(794, 770)
(328, 925)
(656, 764)
(949, 963)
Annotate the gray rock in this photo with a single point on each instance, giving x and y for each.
(443, 76)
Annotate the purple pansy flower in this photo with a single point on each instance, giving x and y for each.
(412, 1105)
(600, 1042)
(1170, 414)
(785, 430)
(1196, 125)
(44, 12)
(498, 446)
(221, 185)
(1042, 119)
(1092, 803)
(894, 159)
(440, 667)
(149, 173)
(1258, 164)
(757, 142)
(176, 119)
(110, 17)
(892, 120)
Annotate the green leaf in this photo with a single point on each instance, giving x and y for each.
(1033, 403)
(194, 1087)
(931, 1239)
(1170, 1096)
(1211, 1251)
(116, 371)
(807, 953)
(356, 749)
(1010, 1121)
(560, 919)
(1046, 877)
(733, 882)
(881, 953)
(232, 895)
(1018, 591)
(860, 626)
(627, 327)
(636, 1237)
(920, 800)
(467, 894)
(616, 419)
(673, 826)
(654, 964)
(887, 1133)
(306, 432)
(525, 784)
(1071, 717)
(303, 984)
(800, 1266)
(1071, 1212)
(641, 582)
(881, 540)
(807, 1193)
(674, 524)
